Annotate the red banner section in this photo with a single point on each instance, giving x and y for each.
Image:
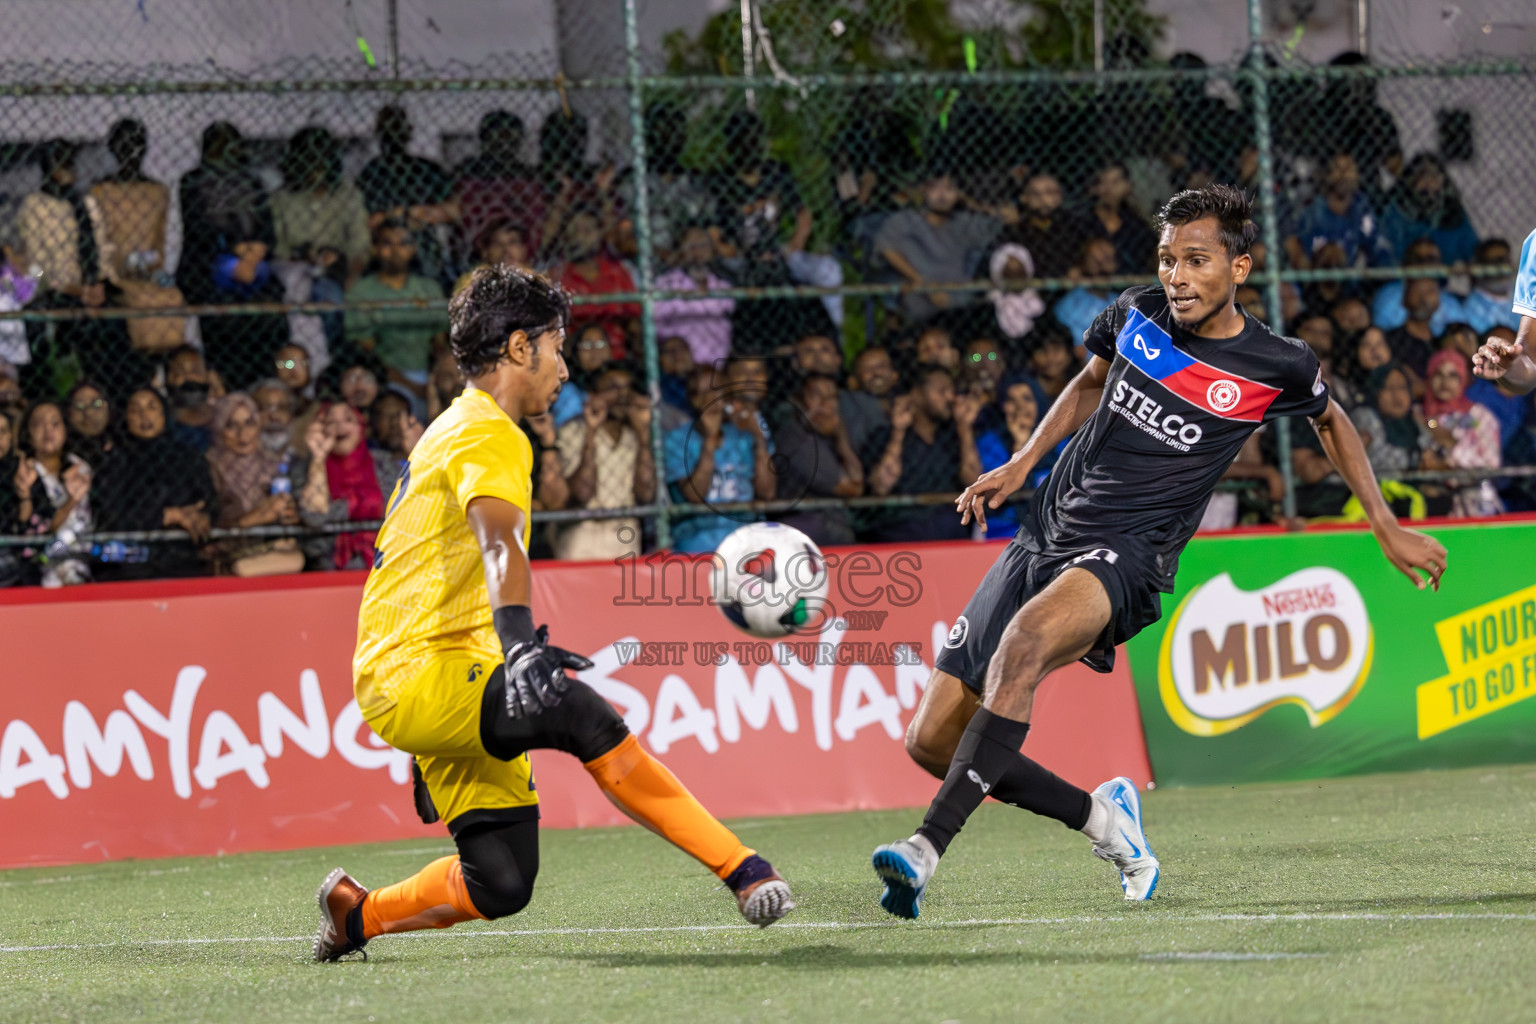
(202, 717)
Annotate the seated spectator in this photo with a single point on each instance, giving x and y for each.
(587, 269)
(24, 507)
(675, 360)
(571, 182)
(17, 288)
(251, 492)
(1116, 219)
(764, 227)
(1053, 234)
(500, 241)
(402, 339)
(1358, 356)
(54, 227)
(148, 481)
(1413, 342)
(186, 386)
(675, 195)
(318, 209)
(704, 323)
(66, 479)
(411, 189)
(550, 490)
(1350, 316)
(1426, 203)
(1247, 296)
(497, 185)
(1512, 411)
(1341, 216)
(394, 430)
(227, 241)
(274, 409)
(865, 404)
(1076, 309)
(983, 367)
(938, 244)
(723, 456)
(609, 463)
(89, 414)
(1395, 441)
(1491, 302)
(1053, 364)
(1014, 308)
(1388, 309)
(293, 369)
(1316, 330)
(819, 461)
(356, 379)
(447, 384)
(1463, 434)
(936, 347)
(351, 482)
(929, 449)
(130, 212)
(1022, 404)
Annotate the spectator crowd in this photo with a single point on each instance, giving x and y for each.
(246, 419)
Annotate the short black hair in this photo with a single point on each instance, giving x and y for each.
(807, 379)
(497, 302)
(1231, 207)
(918, 375)
(392, 224)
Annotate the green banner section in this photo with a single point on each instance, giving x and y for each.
(1303, 655)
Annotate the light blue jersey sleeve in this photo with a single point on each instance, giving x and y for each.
(1525, 278)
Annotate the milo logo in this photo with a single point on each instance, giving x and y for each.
(1229, 655)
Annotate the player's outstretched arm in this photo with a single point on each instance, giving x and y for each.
(535, 671)
(1077, 402)
(1407, 550)
(1509, 364)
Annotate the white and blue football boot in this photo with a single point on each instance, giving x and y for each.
(1125, 844)
(905, 867)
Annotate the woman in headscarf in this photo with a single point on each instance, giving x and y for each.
(88, 413)
(1016, 309)
(1395, 442)
(352, 480)
(251, 492)
(151, 482)
(1463, 433)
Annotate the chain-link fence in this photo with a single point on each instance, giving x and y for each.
(229, 245)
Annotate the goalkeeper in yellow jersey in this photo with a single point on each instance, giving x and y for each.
(450, 668)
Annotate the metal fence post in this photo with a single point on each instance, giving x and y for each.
(645, 257)
(1264, 137)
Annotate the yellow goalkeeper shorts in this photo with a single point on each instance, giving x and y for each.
(436, 716)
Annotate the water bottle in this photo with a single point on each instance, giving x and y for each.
(58, 548)
(280, 482)
(118, 551)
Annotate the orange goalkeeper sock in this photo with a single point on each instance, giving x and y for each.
(434, 897)
(643, 788)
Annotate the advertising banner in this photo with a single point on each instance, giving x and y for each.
(199, 717)
(1288, 656)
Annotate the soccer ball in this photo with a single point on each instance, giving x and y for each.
(770, 580)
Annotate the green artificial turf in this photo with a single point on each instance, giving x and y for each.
(1393, 898)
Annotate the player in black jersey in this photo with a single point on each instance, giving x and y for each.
(1178, 379)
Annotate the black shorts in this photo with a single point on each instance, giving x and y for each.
(1127, 567)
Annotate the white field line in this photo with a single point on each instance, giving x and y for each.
(997, 922)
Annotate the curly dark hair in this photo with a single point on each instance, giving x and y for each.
(496, 302)
(1231, 207)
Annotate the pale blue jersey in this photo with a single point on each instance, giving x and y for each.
(1525, 278)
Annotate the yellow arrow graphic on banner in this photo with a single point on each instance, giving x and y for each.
(1491, 652)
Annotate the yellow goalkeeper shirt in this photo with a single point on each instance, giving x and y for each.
(426, 594)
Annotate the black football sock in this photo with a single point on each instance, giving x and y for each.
(985, 753)
(1033, 787)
